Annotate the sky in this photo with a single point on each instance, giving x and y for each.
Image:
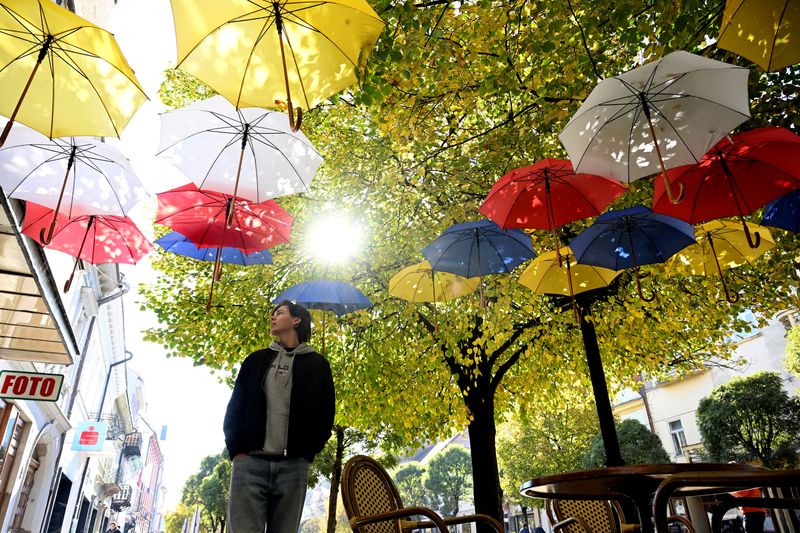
(187, 399)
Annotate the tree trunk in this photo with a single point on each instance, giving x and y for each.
(485, 477)
(336, 476)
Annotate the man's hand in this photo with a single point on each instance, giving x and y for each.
(239, 456)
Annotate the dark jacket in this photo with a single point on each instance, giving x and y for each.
(311, 406)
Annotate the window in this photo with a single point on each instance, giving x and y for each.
(678, 436)
(11, 429)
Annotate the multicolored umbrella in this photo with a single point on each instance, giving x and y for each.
(86, 86)
(720, 245)
(92, 238)
(260, 53)
(735, 178)
(630, 238)
(784, 212)
(547, 195)
(249, 153)
(661, 115)
(763, 31)
(73, 176)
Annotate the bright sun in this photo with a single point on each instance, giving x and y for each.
(334, 239)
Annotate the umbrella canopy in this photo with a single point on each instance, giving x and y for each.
(420, 283)
(630, 238)
(327, 295)
(736, 177)
(178, 244)
(74, 176)
(93, 238)
(763, 31)
(720, 245)
(546, 195)
(259, 52)
(477, 248)
(201, 217)
(784, 212)
(84, 87)
(663, 114)
(545, 276)
(249, 153)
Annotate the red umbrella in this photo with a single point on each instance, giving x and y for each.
(201, 217)
(547, 195)
(739, 175)
(92, 238)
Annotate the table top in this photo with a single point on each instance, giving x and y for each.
(629, 481)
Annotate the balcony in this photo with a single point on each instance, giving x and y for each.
(122, 499)
(132, 445)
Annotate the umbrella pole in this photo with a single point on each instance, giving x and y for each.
(480, 274)
(213, 281)
(45, 238)
(601, 400)
(68, 284)
(550, 217)
(229, 219)
(636, 267)
(435, 314)
(13, 117)
(754, 239)
(575, 312)
(293, 124)
(323, 333)
(728, 297)
(672, 198)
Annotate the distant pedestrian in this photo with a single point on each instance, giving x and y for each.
(279, 417)
(524, 529)
(538, 529)
(753, 516)
(112, 528)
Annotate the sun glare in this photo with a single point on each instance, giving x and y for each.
(334, 239)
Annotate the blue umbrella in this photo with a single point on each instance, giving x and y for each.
(327, 295)
(784, 212)
(630, 238)
(178, 244)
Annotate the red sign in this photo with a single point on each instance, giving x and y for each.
(30, 385)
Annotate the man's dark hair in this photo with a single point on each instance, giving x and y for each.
(298, 311)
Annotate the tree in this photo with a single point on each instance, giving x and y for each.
(209, 488)
(638, 445)
(453, 96)
(449, 479)
(409, 478)
(751, 419)
(792, 361)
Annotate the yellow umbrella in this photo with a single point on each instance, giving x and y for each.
(546, 276)
(720, 244)
(62, 75)
(419, 283)
(258, 53)
(763, 31)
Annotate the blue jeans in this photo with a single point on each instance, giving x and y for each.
(267, 493)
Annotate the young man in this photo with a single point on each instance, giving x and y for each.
(112, 528)
(279, 417)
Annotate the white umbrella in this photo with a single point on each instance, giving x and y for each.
(249, 153)
(74, 176)
(685, 102)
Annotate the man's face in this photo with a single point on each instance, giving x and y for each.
(282, 321)
(112, 525)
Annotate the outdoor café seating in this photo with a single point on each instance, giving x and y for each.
(588, 516)
(373, 505)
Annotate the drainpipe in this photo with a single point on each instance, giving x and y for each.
(123, 289)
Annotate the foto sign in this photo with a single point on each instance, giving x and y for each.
(30, 385)
(89, 436)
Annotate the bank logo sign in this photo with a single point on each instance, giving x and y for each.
(89, 436)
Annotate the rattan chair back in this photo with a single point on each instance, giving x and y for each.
(368, 490)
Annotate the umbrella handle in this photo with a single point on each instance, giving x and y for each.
(731, 299)
(639, 288)
(210, 294)
(68, 284)
(294, 123)
(46, 236)
(672, 198)
(675, 199)
(753, 239)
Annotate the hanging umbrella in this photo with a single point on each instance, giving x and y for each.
(62, 75)
(661, 115)
(92, 238)
(201, 216)
(630, 238)
(784, 212)
(763, 31)
(326, 295)
(735, 178)
(473, 249)
(720, 245)
(178, 244)
(547, 195)
(249, 153)
(261, 53)
(74, 176)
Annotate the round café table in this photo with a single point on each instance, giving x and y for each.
(637, 483)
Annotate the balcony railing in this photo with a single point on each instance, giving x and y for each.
(132, 445)
(122, 499)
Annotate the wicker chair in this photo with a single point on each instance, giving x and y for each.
(373, 504)
(595, 516)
